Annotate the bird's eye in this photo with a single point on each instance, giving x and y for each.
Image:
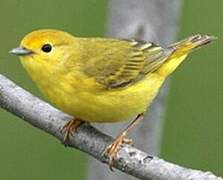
(46, 48)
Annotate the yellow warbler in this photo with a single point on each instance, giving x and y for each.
(100, 79)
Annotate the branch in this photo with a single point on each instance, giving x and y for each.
(88, 139)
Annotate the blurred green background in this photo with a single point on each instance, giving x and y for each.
(193, 129)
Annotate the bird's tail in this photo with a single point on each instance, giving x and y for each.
(191, 43)
(181, 50)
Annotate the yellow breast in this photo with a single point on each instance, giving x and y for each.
(87, 100)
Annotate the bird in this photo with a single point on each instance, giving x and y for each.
(98, 79)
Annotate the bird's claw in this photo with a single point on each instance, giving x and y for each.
(69, 128)
(112, 150)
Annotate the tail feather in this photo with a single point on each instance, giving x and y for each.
(181, 50)
(193, 42)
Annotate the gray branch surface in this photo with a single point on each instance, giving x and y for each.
(150, 20)
(88, 139)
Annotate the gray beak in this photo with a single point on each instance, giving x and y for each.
(20, 51)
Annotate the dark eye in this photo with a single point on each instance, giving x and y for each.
(46, 48)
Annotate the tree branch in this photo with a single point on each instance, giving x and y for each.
(88, 139)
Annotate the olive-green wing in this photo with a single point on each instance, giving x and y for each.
(118, 63)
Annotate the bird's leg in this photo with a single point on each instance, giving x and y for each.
(112, 149)
(69, 128)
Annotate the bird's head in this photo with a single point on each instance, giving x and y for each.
(47, 50)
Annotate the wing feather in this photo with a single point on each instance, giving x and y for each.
(119, 63)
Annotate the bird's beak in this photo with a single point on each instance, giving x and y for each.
(20, 51)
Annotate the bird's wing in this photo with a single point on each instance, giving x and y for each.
(119, 63)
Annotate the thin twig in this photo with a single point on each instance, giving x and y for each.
(88, 139)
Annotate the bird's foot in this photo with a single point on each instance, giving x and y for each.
(69, 129)
(112, 150)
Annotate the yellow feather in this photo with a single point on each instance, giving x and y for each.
(101, 80)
